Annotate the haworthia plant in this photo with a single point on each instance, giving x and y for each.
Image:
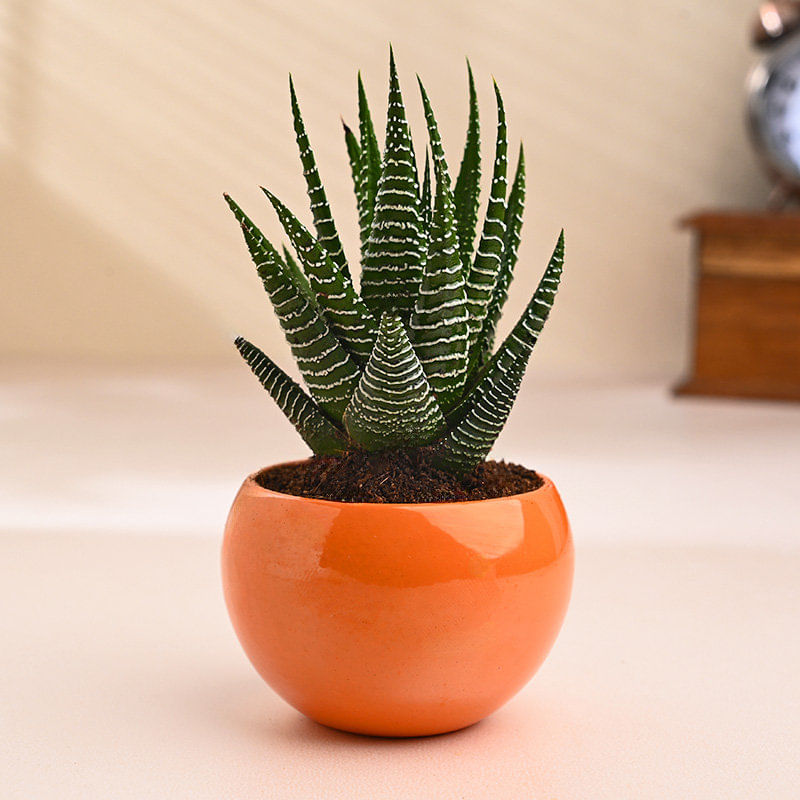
(409, 361)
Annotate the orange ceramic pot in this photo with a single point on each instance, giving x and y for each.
(396, 620)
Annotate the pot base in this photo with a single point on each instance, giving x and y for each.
(391, 734)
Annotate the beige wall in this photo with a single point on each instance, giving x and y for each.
(124, 122)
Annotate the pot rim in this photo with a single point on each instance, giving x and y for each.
(255, 487)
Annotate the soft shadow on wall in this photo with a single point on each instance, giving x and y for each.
(75, 290)
(126, 122)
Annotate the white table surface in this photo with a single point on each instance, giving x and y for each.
(676, 675)
(165, 451)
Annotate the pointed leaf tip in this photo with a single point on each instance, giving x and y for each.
(349, 317)
(366, 185)
(318, 432)
(329, 372)
(515, 206)
(324, 224)
(466, 192)
(483, 414)
(394, 249)
(483, 274)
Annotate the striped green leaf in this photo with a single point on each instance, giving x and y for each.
(298, 276)
(370, 166)
(394, 405)
(395, 252)
(317, 431)
(417, 181)
(469, 443)
(467, 188)
(486, 264)
(354, 157)
(320, 209)
(513, 220)
(483, 415)
(327, 368)
(424, 375)
(347, 314)
(437, 148)
(425, 195)
(439, 324)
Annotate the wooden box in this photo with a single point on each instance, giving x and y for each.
(747, 323)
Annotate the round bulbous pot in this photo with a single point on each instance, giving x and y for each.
(396, 619)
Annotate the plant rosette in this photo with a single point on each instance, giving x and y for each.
(397, 617)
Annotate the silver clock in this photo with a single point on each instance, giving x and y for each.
(773, 90)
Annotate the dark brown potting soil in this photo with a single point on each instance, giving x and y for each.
(395, 477)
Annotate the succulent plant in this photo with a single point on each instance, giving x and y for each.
(409, 361)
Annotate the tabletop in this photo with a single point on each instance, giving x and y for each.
(675, 676)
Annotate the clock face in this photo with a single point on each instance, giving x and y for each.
(774, 110)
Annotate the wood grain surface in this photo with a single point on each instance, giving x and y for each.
(747, 327)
